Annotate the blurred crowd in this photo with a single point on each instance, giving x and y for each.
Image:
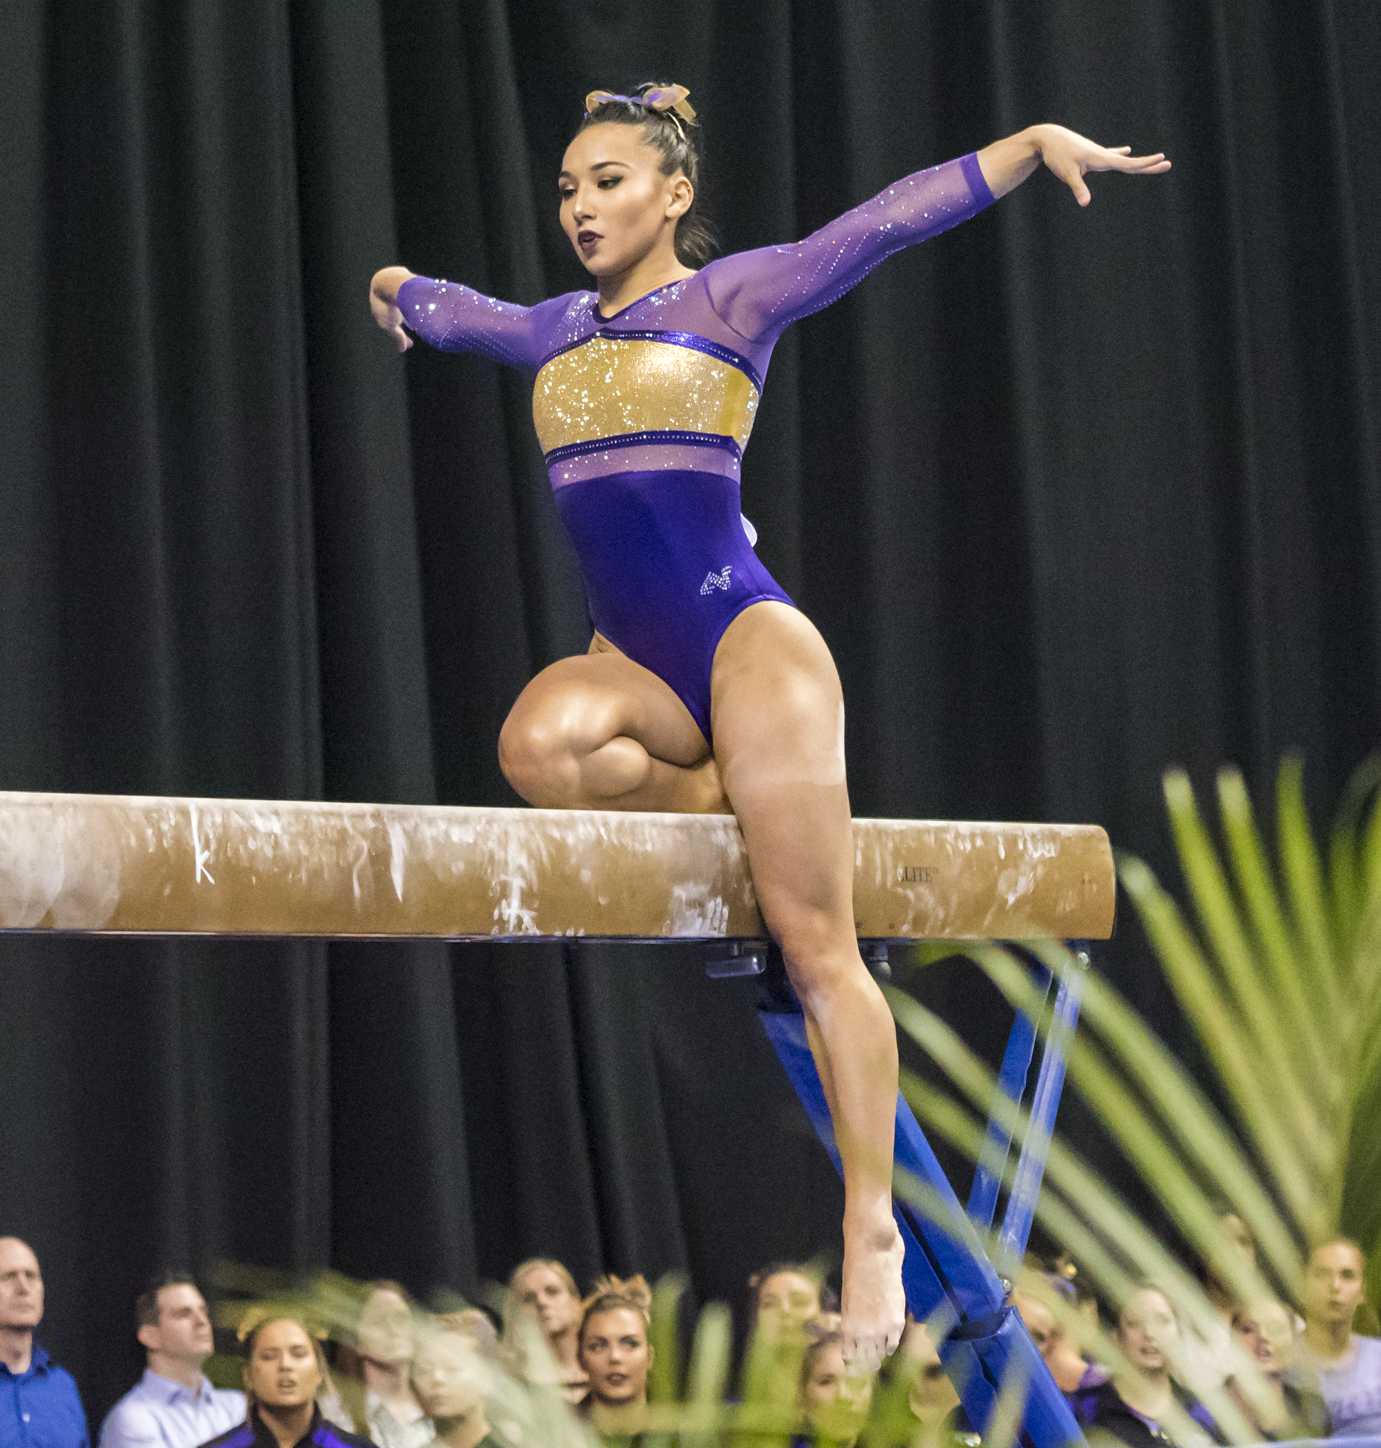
(395, 1376)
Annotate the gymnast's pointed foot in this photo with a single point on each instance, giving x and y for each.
(874, 1305)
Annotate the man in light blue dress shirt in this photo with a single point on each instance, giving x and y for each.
(172, 1405)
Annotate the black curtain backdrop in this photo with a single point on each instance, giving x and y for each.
(1072, 494)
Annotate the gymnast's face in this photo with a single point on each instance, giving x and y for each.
(616, 205)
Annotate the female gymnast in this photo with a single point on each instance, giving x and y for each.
(704, 688)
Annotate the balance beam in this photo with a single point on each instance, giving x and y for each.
(135, 865)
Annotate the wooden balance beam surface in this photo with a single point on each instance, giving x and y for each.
(148, 866)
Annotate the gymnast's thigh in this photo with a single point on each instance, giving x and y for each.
(778, 720)
(586, 700)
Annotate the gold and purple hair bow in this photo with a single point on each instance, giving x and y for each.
(668, 100)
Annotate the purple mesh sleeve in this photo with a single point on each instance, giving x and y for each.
(456, 318)
(758, 293)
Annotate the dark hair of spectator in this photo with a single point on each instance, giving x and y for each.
(828, 1301)
(146, 1304)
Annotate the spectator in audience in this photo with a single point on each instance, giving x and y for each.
(1036, 1299)
(542, 1292)
(173, 1405)
(39, 1403)
(373, 1378)
(1070, 1283)
(1275, 1407)
(834, 1402)
(1133, 1405)
(616, 1353)
(284, 1373)
(784, 1296)
(454, 1372)
(931, 1396)
(1212, 1350)
(1342, 1365)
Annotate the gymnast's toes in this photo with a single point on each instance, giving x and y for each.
(874, 1306)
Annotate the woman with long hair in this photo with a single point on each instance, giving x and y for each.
(615, 1346)
(541, 1325)
(285, 1376)
(705, 688)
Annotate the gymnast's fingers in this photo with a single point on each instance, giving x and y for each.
(1073, 177)
(1118, 160)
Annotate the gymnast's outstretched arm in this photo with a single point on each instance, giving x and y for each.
(453, 317)
(758, 293)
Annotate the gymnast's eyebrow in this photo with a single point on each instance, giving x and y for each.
(598, 166)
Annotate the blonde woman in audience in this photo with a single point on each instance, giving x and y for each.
(834, 1402)
(455, 1373)
(374, 1394)
(542, 1302)
(616, 1352)
(284, 1374)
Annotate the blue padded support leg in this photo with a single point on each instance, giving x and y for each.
(1011, 1081)
(1045, 1101)
(941, 1264)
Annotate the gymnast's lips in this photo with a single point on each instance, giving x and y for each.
(587, 239)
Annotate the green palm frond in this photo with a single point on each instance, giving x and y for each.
(1278, 973)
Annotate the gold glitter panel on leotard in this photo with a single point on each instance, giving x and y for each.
(614, 385)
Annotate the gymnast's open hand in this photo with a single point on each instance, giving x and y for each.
(1071, 156)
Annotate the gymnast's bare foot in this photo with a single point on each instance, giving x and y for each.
(874, 1305)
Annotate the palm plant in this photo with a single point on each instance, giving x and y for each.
(1280, 977)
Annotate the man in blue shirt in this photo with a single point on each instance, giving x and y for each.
(39, 1403)
(172, 1405)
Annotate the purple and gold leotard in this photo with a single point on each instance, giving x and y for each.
(644, 415)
